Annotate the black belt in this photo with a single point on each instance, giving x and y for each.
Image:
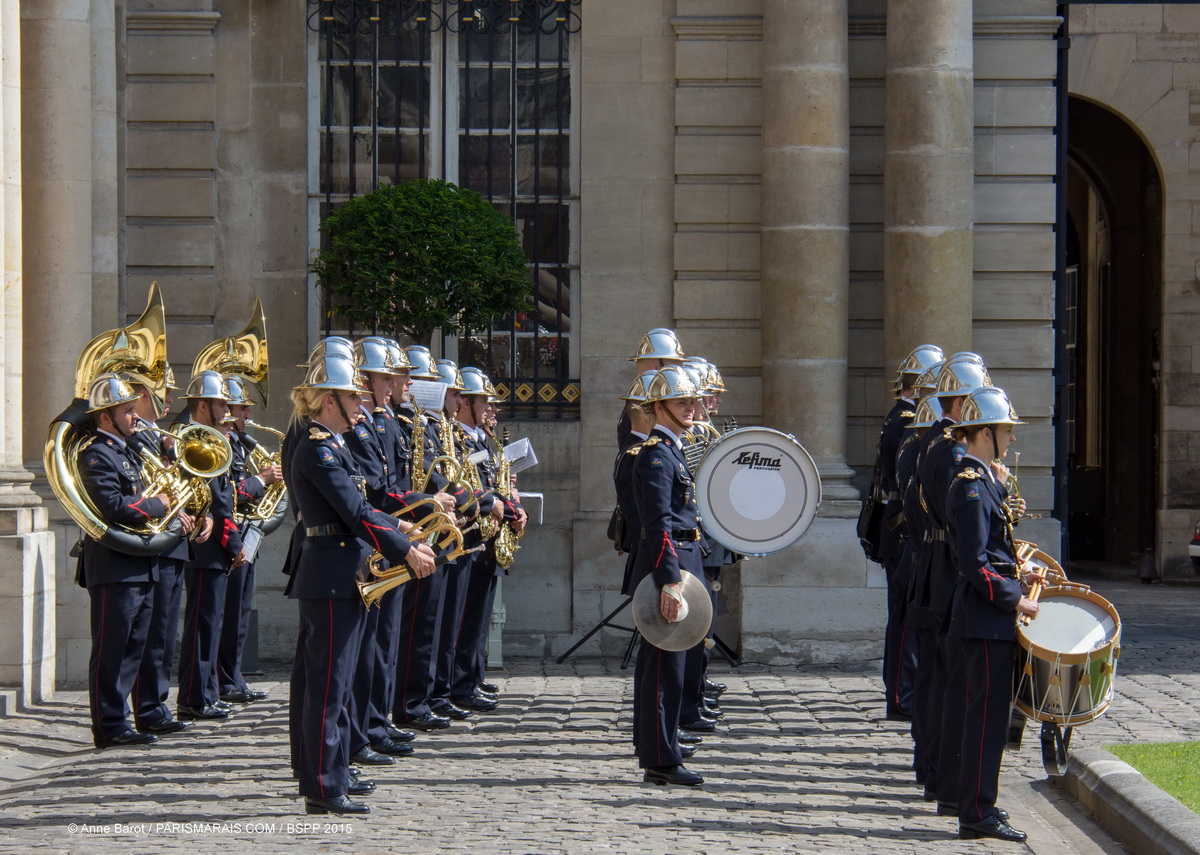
(327, 530)
(1008, 571)
(684, 535)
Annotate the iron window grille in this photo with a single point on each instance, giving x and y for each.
(478, 92)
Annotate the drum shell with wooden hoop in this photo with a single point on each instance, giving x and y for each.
(1037, 561)
(757, 490)
(1067, 657)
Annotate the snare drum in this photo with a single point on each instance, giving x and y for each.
(1067, 657)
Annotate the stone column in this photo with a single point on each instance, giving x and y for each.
(805, 233)
(57, 177)
(26, 546)
(929, 177)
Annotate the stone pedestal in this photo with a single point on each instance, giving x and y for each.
(27, 587)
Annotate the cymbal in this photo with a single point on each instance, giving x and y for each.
(684, 633)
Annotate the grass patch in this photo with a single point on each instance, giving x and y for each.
(1171, 766)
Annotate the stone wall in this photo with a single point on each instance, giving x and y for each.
(1143, 63)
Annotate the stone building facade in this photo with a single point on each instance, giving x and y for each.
(804, 189)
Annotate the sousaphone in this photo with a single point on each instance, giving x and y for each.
(244, 354)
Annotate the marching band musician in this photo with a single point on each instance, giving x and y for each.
(249, 487)
(666, 503)
(120, 586)
(695, 713)
(340, 529)
(206, 575)
(422, 598)
(932, 580)
(476, 418)
(457, 572)
(658, 348)
(899, 657)
(988, 596)
(151, 713)
(370, 744)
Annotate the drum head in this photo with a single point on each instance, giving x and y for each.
(758, 491)
(1072, 622)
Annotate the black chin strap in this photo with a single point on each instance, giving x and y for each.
(995, 444)
(671, 416)
(342, 409)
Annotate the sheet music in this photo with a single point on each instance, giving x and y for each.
(428, 394)
(520, 455)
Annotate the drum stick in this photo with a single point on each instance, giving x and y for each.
(1035, 591)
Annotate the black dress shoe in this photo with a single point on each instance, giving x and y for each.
(702, 725)
(712, 712)
(258, 695)
(193, 713)
(689, 738)
(429, 721)
(711, 688)
(478, 703)
(173, 725)
(686, 751)
(360, 787)
(397, 735)
(129, 737)
(991, 827)
(663, 775)
(338, 804)
(489, 687)
(452, 712)
(390, 746)
(370, 757)
(487, 696)
(223, 705)
(237, 696)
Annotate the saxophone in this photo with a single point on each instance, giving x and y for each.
(416, 443)
(508, 540)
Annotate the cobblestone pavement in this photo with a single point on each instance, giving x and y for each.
(803, 763)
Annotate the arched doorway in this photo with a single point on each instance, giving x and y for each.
(1111, 317)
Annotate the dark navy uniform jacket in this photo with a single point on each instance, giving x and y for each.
(890, 437)
(627, 501)
(321, 481)
(986, 591)
(248, 488)
(666, 503)
(112, 476)
(225, 542)
(150, 442)
(366, 447)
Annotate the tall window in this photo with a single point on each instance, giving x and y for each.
(478, 92)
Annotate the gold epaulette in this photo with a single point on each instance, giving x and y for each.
(948, 433)
(907, 414)
(317, 433)
(406, 419)
(636, 447)
(650, 443)
(969, 474)
(381, 409)
(86, 442)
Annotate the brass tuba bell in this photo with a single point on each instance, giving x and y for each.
(244, 354)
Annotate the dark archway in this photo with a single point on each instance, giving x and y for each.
(1111, 317)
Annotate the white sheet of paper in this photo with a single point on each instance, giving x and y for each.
(428, 394)
(520, 455)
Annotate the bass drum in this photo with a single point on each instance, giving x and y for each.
(758, 491)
